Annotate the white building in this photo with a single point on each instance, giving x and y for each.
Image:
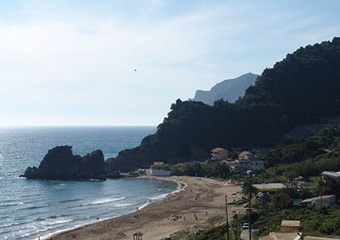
(248, 160)
(159, 173)
(331, 174)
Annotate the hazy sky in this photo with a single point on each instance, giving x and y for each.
(72, 62)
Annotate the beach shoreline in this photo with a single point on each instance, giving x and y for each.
(195, 201)
(179, 187)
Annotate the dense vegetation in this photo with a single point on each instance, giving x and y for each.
(305, 157)
(270, 208)
(278, 205)
(217, 170)
(303, 88)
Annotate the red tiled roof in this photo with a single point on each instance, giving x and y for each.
(324, 197)
(217, 149)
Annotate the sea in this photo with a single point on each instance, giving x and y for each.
(33, 209)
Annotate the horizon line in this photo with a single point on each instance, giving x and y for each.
(73, 125)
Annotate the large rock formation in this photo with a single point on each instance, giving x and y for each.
(230, 89)
(60, 164)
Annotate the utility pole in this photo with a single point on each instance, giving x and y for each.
(249, 212)
(320, 191)
(226, 215)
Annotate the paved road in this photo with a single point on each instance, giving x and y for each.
(245, 234)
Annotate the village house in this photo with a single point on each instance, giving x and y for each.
(289, 231)
(282, 236)
(159, 172)
(331, 174)
(154, 171)
(247, 161)
(328, 200)
(219, 154)
(330, 237)
(290, 226)
(158, 163)
(269, 186)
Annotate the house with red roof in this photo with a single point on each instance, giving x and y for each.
(219, 154)
(324, 200)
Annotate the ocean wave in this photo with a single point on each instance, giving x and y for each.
(3, 216)
(152, 199)
(103, 201)
(12, 224)
(123, 205)
(34, 232)
(12, 204)
(53, 220)
(70, 200)
(35, 207)
(58, 221)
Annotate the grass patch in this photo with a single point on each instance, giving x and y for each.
(241, 201)
(314, 179)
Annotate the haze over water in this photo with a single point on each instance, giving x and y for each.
(33, 208)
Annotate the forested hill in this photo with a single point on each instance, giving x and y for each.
(302, 88)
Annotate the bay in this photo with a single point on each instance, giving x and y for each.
(30, 209)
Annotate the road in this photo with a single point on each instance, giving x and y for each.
(245, 234)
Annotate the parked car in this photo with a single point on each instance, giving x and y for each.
(245, 226)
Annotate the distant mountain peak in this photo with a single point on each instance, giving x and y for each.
(230, 89)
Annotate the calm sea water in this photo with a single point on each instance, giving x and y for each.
(30, 209)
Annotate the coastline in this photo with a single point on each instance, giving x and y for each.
(53, 235)
(196, 201)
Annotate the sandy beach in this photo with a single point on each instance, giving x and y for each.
(199, 199)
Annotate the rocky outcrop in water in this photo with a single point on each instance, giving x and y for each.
(60, 164)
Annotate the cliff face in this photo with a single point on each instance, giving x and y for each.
(60, 164)
(228, 90)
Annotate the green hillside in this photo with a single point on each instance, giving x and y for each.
(302, 88)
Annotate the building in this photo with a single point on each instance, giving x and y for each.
(329, 237)
(159, 173)
(290, 226)
(155, 171)
(245, 155)
(247, 161)
(219, 154)
(282, 236)
(328, 200)
(269, 186)
(289, 231)
(331, 174)
(158, 163)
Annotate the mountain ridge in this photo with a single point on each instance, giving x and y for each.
(228, 90)
(301, 89)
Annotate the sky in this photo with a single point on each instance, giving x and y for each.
(124, 62)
